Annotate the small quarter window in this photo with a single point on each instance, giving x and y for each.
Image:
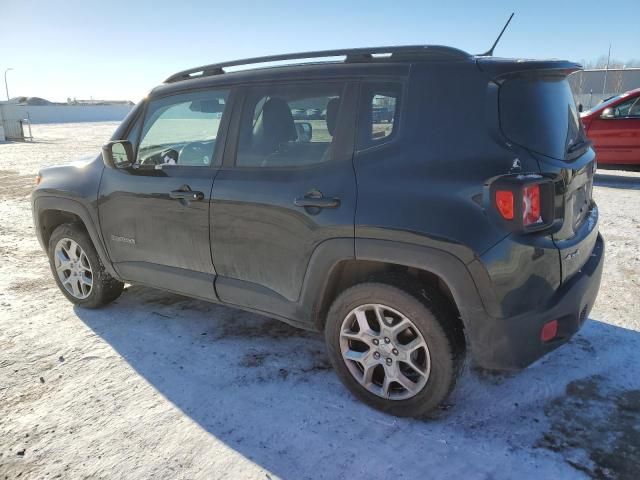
(380, 102)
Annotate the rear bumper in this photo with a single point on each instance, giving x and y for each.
(513, 343)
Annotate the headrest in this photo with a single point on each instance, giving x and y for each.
(278, 122)
(333, 106)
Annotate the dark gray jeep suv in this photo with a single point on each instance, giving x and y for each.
(434, 204)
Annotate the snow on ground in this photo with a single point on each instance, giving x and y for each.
(161, 386)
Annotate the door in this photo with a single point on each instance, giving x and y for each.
(287, 185)
(154, 216)
(617, 138)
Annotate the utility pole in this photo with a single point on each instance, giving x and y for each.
(606, 69)
(6, 87)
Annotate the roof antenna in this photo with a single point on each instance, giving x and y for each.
(489, 53)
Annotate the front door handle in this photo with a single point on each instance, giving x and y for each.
(185, 193)
(315, 199)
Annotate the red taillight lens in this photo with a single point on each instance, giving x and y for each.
(504, 203)
(38, 178)
(522, 203)
(531, 205)
(549, 331)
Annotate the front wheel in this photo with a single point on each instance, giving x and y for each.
(396, 349)
(78, 270)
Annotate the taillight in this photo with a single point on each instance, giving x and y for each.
(504, 203)
(523, 203)
(549, 331)
(38, 178)
(531, 205)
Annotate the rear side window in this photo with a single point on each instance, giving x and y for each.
(289, 125)
(539, 113)
(380, 102)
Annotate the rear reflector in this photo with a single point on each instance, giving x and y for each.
(549, 331)
(504, 203)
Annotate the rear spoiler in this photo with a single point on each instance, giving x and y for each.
(498, 67)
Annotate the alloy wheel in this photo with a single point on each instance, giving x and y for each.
(385, 352)
(73, 268)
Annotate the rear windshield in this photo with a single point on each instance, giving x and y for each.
(539, 113)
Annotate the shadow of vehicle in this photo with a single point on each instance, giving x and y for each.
(617, 181)
(267, 391)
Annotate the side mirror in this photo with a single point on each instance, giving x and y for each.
(118, 154)
(304, 131)
(580, 108)
(608, 113)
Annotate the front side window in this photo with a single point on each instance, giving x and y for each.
(380, 108)
(288, 125)
(630, 108)
(634, 111)
(182, 129)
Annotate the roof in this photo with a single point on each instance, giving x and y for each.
(397, 53)
(357, 61)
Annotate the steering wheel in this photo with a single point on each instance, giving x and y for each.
(160, 159)
(196, 153)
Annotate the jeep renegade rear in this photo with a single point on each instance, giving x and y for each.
(414, 203)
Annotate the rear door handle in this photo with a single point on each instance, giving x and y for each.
(317, 202)
(185, 193)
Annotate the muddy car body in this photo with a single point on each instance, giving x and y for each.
(463, 224)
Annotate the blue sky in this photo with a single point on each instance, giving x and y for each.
(115, 49)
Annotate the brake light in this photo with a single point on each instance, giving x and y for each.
(523, 203)
(38, 178)
(504, 203)
(549, 331)
(531, 205)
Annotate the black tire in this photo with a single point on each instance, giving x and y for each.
(435, 320)
(105, 288)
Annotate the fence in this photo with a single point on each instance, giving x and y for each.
(590, 87)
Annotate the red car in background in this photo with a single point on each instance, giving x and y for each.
(614, 128)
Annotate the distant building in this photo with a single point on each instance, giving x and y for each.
(590, 87)
(37, 101)
(17, 115)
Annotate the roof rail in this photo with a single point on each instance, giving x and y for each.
(417, 52)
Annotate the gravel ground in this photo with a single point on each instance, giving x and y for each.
(161, 386)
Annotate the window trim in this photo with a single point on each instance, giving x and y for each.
(396, 135)
(344, 141)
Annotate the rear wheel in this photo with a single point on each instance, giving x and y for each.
(395, 348)
(78, 270)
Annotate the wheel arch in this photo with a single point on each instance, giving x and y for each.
(375, 259)
(50, 212)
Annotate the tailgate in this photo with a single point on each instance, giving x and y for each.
(579, 231)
